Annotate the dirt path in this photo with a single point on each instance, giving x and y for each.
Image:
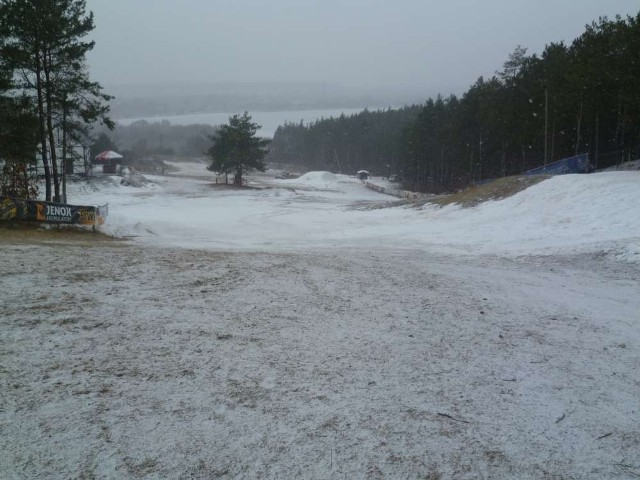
(121, 361)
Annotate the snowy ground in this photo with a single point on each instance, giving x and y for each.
(302, 331)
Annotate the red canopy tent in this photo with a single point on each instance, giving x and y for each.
(107, 157)
(109, 161)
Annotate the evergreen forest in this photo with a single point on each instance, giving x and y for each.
(567, 100)
(47, 98)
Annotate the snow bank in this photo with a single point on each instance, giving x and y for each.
(569, 213)
(320, 177)
(326, 181)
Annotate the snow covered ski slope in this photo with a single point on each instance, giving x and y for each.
(315, 329)
(565, 214)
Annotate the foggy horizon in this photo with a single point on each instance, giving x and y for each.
(152, 100)
(410, 46)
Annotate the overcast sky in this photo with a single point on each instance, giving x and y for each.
(435, 44)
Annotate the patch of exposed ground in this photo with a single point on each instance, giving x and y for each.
(34, 233)
(495, 190)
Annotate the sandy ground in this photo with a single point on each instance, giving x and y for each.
(121, 360)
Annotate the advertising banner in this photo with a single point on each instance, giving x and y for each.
(50, 212)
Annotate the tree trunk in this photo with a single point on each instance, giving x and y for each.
(623, 128)
(64, 151)
(553, 141)
(335, 154)
(546, 123)
(442, 165)
(480, 158)
(504, 158)
(595, 164)
(579, 127)
(42, 130)
(52, 141)
(618, 123)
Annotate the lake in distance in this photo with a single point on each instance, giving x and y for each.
(269, 121)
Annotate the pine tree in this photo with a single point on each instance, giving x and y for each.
(41, 41)
(236, 148)
(18, 140)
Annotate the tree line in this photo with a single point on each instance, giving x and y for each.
(570, 99)
(142, 139)
(48, 100)
(369, 139)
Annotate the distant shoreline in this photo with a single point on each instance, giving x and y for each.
(269, 121)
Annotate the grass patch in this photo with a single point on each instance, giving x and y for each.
(32, 232)
(496, 190)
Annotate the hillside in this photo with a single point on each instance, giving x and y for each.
(572, 213)
(291, 330)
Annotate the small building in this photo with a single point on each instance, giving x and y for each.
(109, 161)
(363, 174)
(77, 161)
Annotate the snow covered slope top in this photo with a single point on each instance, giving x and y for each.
(568, 214)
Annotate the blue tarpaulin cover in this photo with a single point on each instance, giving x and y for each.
(575, 164)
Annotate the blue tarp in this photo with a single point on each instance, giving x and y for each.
(576, 164)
